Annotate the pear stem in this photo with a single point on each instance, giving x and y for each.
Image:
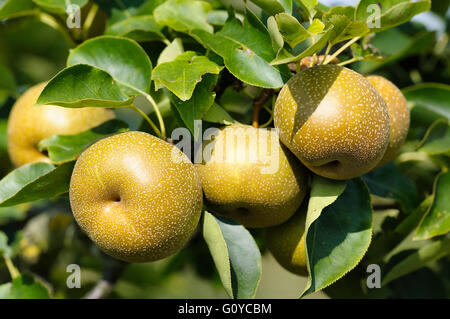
(265, 95)
(52, 22)
(158, 114)
(327, 51)
(11, 268)
(148, 97)
(349, 61)
(270, 111)
(341, 49)
(89, 20)
(112, 271)
(145, 116)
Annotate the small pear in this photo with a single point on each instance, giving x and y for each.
(136, 196)
(251, 177)
(399, 116)
(28, 124)
(333, 120)
(286, 242)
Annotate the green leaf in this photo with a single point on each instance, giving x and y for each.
(323, 193)
(388, 181)
(12, 8)
(65, 148)
(217, 17)
(394, 232)
(5, 250)
(321, 40)
(121, 58)
(83, 86)
(368, 53)
(196, 107)
(235, 254)
(347, 11)
(59, 6)
(437, 220)
(219, 250)
(123, 9)
(275, 35)
(246, 49)
(344, 28)
(309, 6)
(338, 239)
(184, 15)
(170, 52)
(433, 97)
(393, 13)
(241, 61)
(437, 139)
(181, 75)
(23, 287)
(34, 181)
(217, 114)
(273, 7)
(422, 257)
(396, 46)
(139, 28)
(316, 27)
(413, 220)
(291, 29)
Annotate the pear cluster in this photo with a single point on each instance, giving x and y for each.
(338, 123)
(140, 198)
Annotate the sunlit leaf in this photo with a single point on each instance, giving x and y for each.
(184, 15)
(122, 58)
(235, 254)
(83, 86)
(139, 28)
(181, 75)
(64, 148)
(422, 257)
(437, 220)
(337, 239)
(34, 181)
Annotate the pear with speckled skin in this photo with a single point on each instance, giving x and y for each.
(286, 242)
(333, 120)
(251, 177)
(399, 116)
(136, 196)
(28, 124)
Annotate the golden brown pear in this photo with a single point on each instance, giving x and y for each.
(286, 242)
(29, 124)
(251, 177)
(398, 115)
(333, 120)
(133, 199)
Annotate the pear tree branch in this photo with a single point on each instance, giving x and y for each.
(112, 271)
(258, 104)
